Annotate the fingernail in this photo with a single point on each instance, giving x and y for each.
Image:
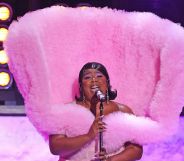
(102, 116)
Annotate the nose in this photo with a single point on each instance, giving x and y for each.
(94, 79)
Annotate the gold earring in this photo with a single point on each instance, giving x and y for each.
(107, 96)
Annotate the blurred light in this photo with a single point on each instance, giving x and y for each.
(5, 12)
(6, 79)
(83, 5)
(3, 57)
(62, 5)
(3, 33)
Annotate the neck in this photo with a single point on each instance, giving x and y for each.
(87, 104)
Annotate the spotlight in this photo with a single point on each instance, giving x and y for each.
(6, 79)
(3, 57)
(6, 12)
(61, 4)
(83, 5)
(3, 32)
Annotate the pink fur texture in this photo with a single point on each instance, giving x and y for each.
(143, 53)
(118, 126)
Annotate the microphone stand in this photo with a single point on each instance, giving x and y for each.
(101, 133)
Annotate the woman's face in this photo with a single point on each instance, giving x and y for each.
(92, 81)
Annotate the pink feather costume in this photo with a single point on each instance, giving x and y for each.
(144, 56)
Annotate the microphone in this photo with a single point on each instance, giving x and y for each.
(100, 95)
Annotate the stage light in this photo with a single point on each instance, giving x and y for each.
(83, 5)
(6, 79)
(61, 4)
(5, 12)
(3, 33)
(3, 57)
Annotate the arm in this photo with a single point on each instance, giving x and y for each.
(61, 144)
(132, 152)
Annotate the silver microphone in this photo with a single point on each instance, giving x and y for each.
(100, 95)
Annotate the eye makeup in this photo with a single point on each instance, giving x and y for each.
(91, 75)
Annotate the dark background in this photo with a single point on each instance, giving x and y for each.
(170, 9)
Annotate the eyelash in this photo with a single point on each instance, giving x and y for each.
(99, 76)
(90, 77)
(87, 77)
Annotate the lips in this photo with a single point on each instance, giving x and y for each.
(94, 88)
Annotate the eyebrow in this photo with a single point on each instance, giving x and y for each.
(85, 73)
(88, 72)
(99, 72)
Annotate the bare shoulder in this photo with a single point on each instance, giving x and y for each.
(56, 136)
(124, 108)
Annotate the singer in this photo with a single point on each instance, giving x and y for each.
(94, 83)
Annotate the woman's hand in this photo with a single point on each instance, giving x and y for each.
(103, 156)
(97, 126)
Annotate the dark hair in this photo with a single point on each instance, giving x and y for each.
(94, 65)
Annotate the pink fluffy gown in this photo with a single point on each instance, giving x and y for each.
(144, 56)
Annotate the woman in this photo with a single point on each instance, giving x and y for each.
(94, 77)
